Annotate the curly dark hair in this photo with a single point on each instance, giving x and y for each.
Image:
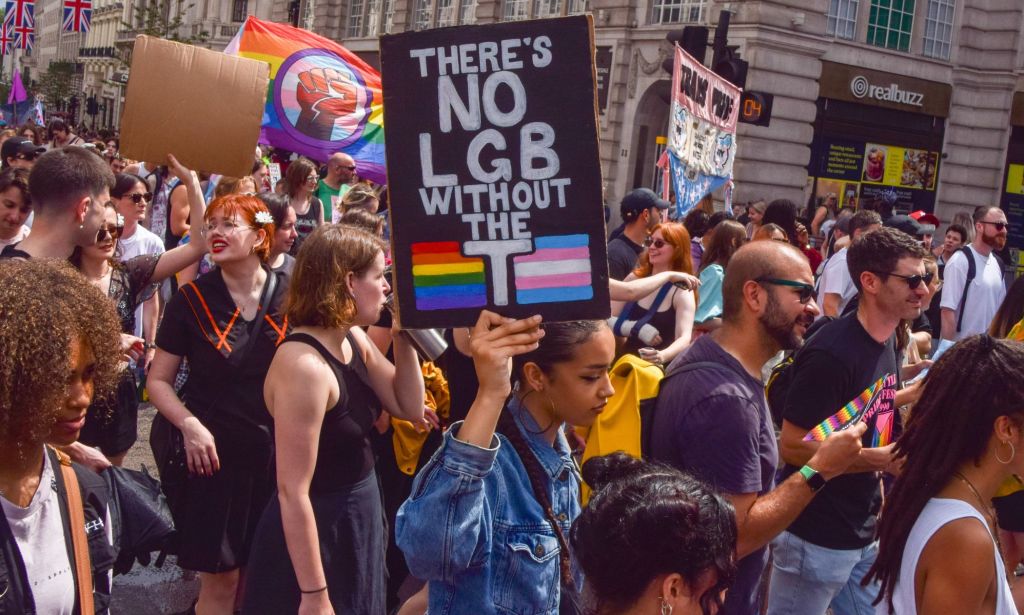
(647, 519)
(45, 306)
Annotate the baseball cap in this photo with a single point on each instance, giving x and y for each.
(639, 200)
(929, 222)
(19, 145)
(906, 224)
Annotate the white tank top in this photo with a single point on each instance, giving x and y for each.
(936, 514)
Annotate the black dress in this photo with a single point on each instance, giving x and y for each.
(664, 321)
(346, 504)
(112, 424)
(216, 516)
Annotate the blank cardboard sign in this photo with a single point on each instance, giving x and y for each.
(203, 106)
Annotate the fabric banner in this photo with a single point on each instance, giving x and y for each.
(499, 180)
(322, 98)
(702, 132)
(17, 93)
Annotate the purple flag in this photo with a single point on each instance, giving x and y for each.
(18, 93)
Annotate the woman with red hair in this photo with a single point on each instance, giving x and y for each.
(658, 327)
(227, 324)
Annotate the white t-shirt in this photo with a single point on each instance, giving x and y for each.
(983, 299)
(836, 279)
(141, 242)
(39, 534)
(20, 235)
(936, 514)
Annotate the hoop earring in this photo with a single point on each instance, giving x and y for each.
(1013, 453)
(666, 608)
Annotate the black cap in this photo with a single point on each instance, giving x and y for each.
(639, 200)
(19, 145)
(906, 224)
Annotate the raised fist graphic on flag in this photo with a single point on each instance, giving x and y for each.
(325, 96)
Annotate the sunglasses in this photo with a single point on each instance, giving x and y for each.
(28, 157)
(913, 281)
(806, 291)
(655, 243)
(109, 229)
(999, 225)
(139, 197)
(351, 168)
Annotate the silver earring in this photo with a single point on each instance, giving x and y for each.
(666, 608)
(1013, 453)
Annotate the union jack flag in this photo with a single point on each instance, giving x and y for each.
(20, 12)
(6, 38)
(77, 15)
(24, 36)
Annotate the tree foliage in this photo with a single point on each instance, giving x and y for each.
(56, 83)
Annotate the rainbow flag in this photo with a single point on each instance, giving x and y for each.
(322, 98)
(444, 279)
(847, 415)
(558, 270)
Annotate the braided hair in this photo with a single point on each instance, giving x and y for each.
(558, 345)
(973, 384)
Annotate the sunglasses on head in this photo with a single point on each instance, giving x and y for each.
(655, 243)
(999, 225)
(805, 290)
(913, 281)
(138, 197)
(109, 229)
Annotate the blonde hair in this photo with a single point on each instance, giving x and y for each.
(359, 195)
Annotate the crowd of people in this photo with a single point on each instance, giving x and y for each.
(787, 412)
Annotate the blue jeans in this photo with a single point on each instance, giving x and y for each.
(807, 579)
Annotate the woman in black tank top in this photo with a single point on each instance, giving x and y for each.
(321, 541)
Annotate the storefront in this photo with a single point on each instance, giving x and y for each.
(877, 135)
(1012, 200)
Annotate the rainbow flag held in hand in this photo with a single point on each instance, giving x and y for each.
(847, 415)
(322, 98)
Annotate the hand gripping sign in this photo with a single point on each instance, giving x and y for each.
(494, 172)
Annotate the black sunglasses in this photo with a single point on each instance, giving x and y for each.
(109, 229)
(29, 156)
(913, 281)
(805, 290)
(138, 197)
(999, 225)
(657, 243)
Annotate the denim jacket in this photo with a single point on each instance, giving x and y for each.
(473, 529)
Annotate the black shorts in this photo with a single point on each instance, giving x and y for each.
(112, 425)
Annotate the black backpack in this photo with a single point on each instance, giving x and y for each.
(777, 387)
(972, 271)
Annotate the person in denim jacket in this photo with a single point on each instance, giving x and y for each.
(487, 521)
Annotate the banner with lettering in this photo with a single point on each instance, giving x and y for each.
(494, 174)
(702, 131)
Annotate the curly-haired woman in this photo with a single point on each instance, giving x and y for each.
(228, 324)
(60, 345)
(320, 544)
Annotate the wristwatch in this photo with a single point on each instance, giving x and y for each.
(814, 480)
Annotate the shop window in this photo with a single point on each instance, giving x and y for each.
(239, 10)
(517, 10)
(367, 18)
(441, 13)
(842, 18)
(938, 29)
(890, 23)
(677, 11)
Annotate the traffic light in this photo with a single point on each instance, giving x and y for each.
(91, 107)
(729, 66)
(693, 40)
(756, 108)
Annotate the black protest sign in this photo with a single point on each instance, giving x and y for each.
(494, 173)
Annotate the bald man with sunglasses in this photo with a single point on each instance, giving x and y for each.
(962, 317)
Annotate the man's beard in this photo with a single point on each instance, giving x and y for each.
(997, 242)
(782, 329)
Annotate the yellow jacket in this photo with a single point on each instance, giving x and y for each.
(408, 439)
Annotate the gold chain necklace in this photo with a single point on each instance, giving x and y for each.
(994, 527)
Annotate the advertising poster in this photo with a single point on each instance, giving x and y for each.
(1013, 205)
(494, 172)
(702, 131)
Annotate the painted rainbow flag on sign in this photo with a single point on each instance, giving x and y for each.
(847, 415)
(322, 98)
(558, 270)
(444, 279)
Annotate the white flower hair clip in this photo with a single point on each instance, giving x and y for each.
(264, 217)
(120, 220)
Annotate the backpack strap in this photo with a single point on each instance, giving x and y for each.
(972, 271)
(80, 543)
(646, 318)
(689, 367)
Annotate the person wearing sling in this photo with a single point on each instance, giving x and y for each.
(60, 347)
(319, 547)
(938, 549)
(487, 523)
(227, 324)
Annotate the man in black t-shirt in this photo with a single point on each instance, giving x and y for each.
(820, 560)
(641, 211)
(712, 420)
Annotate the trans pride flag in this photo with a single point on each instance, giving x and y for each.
(322, 98)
